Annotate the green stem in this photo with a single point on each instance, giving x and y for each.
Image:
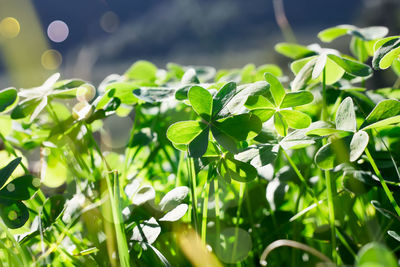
(324, 113)
(192, 175)
(241, 195)
(217, 214)
(383, 183)
(331, 210)
(114, 193)
(205, 207)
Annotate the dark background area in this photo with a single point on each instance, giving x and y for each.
(221, 33)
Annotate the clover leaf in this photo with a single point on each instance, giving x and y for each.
(278, 105)
(13, 212)
(362, 41)
(387, 50)
(215, 115)
(350, 147)
(36, 99)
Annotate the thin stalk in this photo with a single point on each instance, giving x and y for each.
(113, 191)
(114, 195)
(324, 113)
(217, 213)
(282, 21)
(192, 175)
(241, 196)
(331, 211)
(205, 207)
(383, 183)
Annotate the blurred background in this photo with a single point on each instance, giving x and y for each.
(91, 39)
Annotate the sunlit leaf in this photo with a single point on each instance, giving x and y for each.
(345, 116)
(201, 101)
(184, 132)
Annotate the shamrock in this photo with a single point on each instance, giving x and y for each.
(216, 117)
(350, 143)
(13, 212)
(387, 52)
(311, 61)
(37, 98)
(362, 41)
(278, 105)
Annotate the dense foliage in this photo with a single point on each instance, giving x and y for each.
(192, 166)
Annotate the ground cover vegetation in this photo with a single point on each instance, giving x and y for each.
(242, 167)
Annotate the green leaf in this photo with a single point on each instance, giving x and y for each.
(385, 109)
(277, 90)
(190, 77)
(142, 71)
(121, 90)
(358, 144)
(383, 123)
(358, 48)
(21, 188)
(154, 95)
(24, 108)
(240, 127)
(258, 102)
(298, 138)
(234, 105)
(259, 155)
(198, 146)
(173, 198)
(293, 51)
(14, 213)
(201, 101)
(6, 171)
(383, 41)
(270, 68)
(377, 255)
(225, 140)
(52, 209)
(333, 154)
(394, 235)
(333, 72)
(294, 99)
(224, 95)
(326, 132)
(175, 214)
(352, 67)
(184, 132)
(384, 56)
(330, 34)
(8, 97)
(345, 116)
(263, 114)
(370, 33)
(296, 119)
(144, 194)
(280, 124)
(231, 168)
(147, 232)
(319, 66)
(396, 67)
(303, 75)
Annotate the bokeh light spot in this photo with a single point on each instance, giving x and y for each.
(58, 31)
(10, 187)
(51, 59)
(109, 22)
(9, 27)
(12, 215)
